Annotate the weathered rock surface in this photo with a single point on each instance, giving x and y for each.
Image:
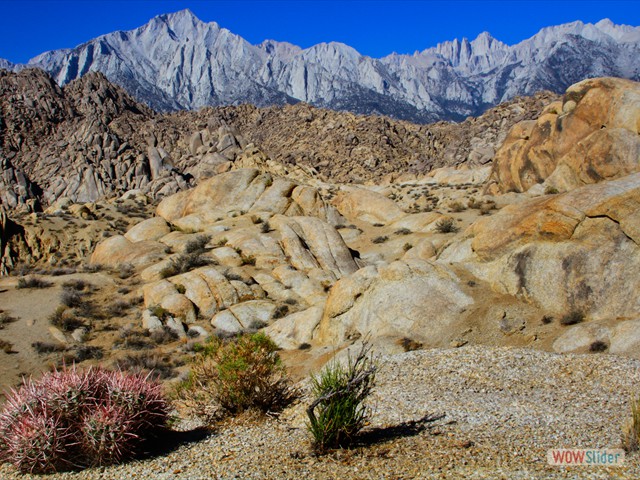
(417, 300)
(588, 137)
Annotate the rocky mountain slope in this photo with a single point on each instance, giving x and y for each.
(90, 140)
(538, 248)
(177, 61)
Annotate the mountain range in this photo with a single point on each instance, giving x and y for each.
(177, 62)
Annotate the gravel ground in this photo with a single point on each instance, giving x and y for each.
(503, 409)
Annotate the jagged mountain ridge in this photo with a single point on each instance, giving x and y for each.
(178, 62)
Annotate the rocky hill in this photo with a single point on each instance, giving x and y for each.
(178, 62)
(90, 140)
(487, 267)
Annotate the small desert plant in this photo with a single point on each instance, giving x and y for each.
(265, 227)
(236, 375)
(163, 335)
(380, 239)
(457, 207)
(33, 282)
(6, 347)
(125, 270)
(153, 365)
(5, 319)
(571, 318)
(409, 345)
(407, 246)
(338, 412)
(42, 348)
(198, 244)
(547, 319)
(64, 319)
(549, 190)
(184, 263)
(72, 419)
(118, 308)
(631, 432)
(403, 231)
(446, 225)
(598, 346)
(280, 312)
(248, 259)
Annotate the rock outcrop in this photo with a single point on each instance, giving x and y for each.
(588, 137)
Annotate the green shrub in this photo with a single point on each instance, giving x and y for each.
(72, 419)
(229, 377)
(338, 412)
(380, 239)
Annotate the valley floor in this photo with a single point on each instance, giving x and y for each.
(472, 412)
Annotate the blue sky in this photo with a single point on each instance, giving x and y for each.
(375, 28)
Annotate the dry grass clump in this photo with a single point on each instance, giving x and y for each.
(631, 431)
(33, 282)
(446, 225)
(184, 263)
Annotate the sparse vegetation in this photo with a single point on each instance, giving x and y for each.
(125, 270)
(280, 312)
(229, 377)
(6, 347)
(5, 319)
(75, 419)
(631, 431)
(160, 367)
(571, 318)
(406, 247)
(33, 282)
(457, 207)
(338, 412)
(184, 263)
(547, 319)
(410, 345)
(446, 225)
(197, 245)
(549, 190)
(403, 231)
(266, 227)
(248, 259)
(598, 346)
(380, 239)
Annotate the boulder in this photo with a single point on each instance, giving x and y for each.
(118, 249)
(418, 300)
(592, 136)
(366, 205)
(151, 229)
(310, 243)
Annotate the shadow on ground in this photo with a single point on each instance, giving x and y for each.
(412, 428)
(170, 440)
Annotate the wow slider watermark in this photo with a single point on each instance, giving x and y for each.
(581, 456)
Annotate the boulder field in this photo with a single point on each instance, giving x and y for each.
(540, 249)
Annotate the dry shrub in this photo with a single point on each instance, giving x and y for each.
(232, 376)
